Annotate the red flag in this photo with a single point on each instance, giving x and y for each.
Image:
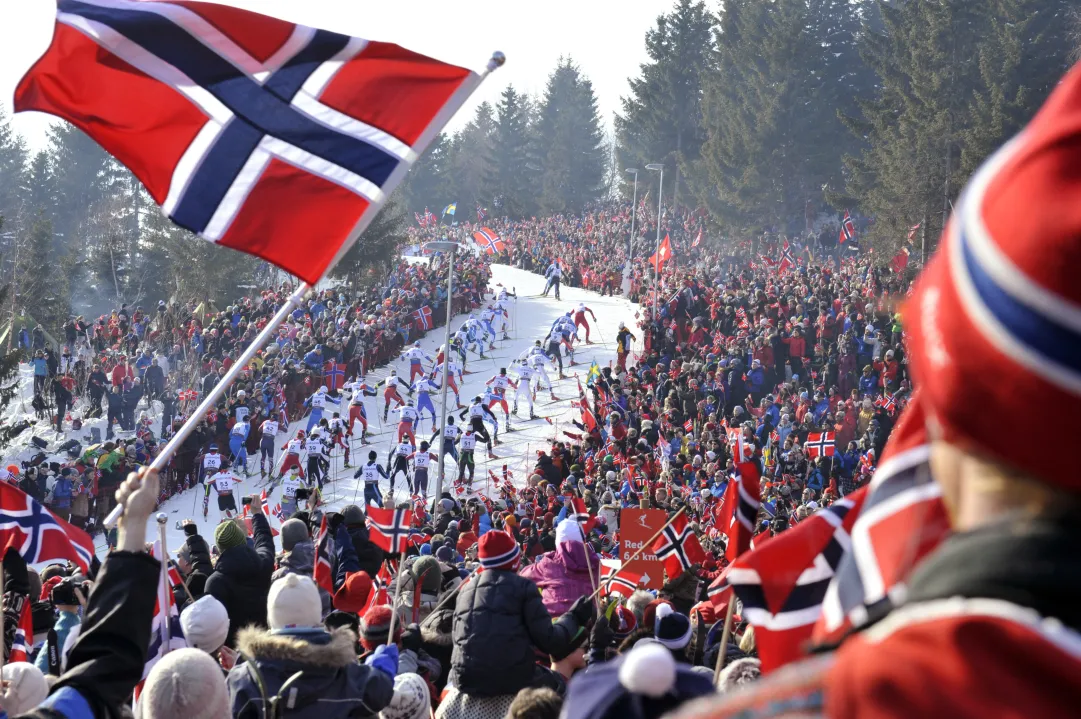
(848, 228)
(489, 241)
(782, 581)
(820, 444)
(662, 255)
(423, 317)
(739, 511)
(615, 579)
(900, 260)
(390, 528)
(38, 534)
(582, 515)
(228, 119)
(902, 521)
(322, 574)
(678, 547)
(334, 376)
(24, 636)
(697, 240)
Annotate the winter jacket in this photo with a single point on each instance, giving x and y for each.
(108, 660)
(241, 579)
(563, 576)
(301, 560)
(369, 555)
(333, 684)
(498, 620)
(62, 493)
(65, 621)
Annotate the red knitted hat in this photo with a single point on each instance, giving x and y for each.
(498, 550)
(996, 316)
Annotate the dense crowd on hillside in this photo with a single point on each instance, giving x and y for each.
(751, 408)
(131, 365)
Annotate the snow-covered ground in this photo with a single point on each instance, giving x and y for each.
(531, 318)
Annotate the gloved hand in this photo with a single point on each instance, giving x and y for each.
(334, 520)
(583, 610)
(385, 658)
(411, 637)
(601, 636)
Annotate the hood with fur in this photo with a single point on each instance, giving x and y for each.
(338, 649)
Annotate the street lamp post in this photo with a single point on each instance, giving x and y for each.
(450, 248)
(630, 240)
(657, 167)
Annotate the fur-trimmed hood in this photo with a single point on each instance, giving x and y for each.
(339, 649)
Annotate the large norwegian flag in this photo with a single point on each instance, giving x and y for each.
(739, 510)
(782, 581)
(273, 138)
(165, 611)
(903, 519)
(38, 534)
(390, 528)
(678, 547)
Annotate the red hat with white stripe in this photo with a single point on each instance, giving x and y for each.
(996, 315)
(498, 550)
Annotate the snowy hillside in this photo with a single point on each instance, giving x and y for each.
(532, 317)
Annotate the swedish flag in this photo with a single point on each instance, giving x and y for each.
(594, 372)
(449, 209)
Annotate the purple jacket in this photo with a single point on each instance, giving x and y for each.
(563, 576)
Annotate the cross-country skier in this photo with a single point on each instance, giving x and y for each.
(502, 312)
(371, 472)
(407, 421)
(292, 482)
(499, 384)
(451, 432)
(392, 383)
(268, 432)
(398, 461)
(212, 462)
(422, 459)
(477, 414)
(469, 444)
(316, 455)
(358, 389)
(553, 274)
(486, 317)
(238, 438)
(223, 482)
(424, 388)
(524, 387)
(624, 341)
(337, 436)
(293, 448)
(580, 319)
(539, 364)
(453, 371)
(317, 402)
(416, 357)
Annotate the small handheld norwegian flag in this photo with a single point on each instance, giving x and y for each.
(390, 528)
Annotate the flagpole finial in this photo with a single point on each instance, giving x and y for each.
(498, 59)
(162, 517)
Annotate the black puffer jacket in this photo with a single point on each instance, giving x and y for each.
(241, 579)
(369, 555)
(498, 619)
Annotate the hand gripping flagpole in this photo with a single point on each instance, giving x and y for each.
(451, 106)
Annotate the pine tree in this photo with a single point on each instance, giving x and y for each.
(9, 365)
(1021, 56)
(13, 156)
(473, 168)
(510, 151)
(570, 141)
(662, 117)
(766, 155)
(428, 183)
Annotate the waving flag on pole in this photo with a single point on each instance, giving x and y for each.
(423, 317)
(489, 240)
(272, 138)
(848, 228)
(662, 255)
(739, 510)
(38, 534)
(782, 582)
(389, 528)
(450, 209)
(678, 547)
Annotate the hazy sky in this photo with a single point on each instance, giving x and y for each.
(605, 37)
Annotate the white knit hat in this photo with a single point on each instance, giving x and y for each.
(185, 684)
(294, 602)
(410, 700)
(205, 623)
(569, 531)
(25, 690)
